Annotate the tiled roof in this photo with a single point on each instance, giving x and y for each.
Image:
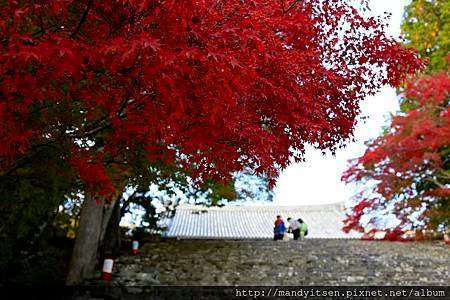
(254, 222)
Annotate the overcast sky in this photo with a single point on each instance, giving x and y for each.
(317, 180)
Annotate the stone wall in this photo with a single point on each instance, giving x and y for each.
(307, 262)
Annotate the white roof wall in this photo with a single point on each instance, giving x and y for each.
(255, 222)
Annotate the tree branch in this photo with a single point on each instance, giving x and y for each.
(83, 18)
(126, 203)
(430, 179)
(291, 6)
(443, 175)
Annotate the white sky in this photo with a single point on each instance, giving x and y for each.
(317, 180)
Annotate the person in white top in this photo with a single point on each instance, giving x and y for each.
(294, 227)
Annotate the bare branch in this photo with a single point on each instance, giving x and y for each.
(291, 6)
(83, 18)
(433, 180)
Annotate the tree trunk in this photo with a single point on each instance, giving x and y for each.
(111, 241)
(94, 220)
(108, 212)
(84, 256)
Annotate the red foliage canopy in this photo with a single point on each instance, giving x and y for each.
(213, 84)
(410, 164)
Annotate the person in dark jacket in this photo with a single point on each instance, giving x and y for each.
(279, 229)
(294, 228)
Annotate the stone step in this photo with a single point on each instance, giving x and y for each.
(306, 262)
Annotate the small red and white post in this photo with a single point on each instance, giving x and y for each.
(447, 238)
(107, 269)
(135, 247)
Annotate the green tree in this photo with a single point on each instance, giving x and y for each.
(426, 27)
(30, 197)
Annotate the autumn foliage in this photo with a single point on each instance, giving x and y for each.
(409, 166)
(406, 170)
(211, 85)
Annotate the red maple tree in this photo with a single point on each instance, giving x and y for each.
(214, 85)
(409, 165)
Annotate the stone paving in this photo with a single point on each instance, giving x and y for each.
(265, 262)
